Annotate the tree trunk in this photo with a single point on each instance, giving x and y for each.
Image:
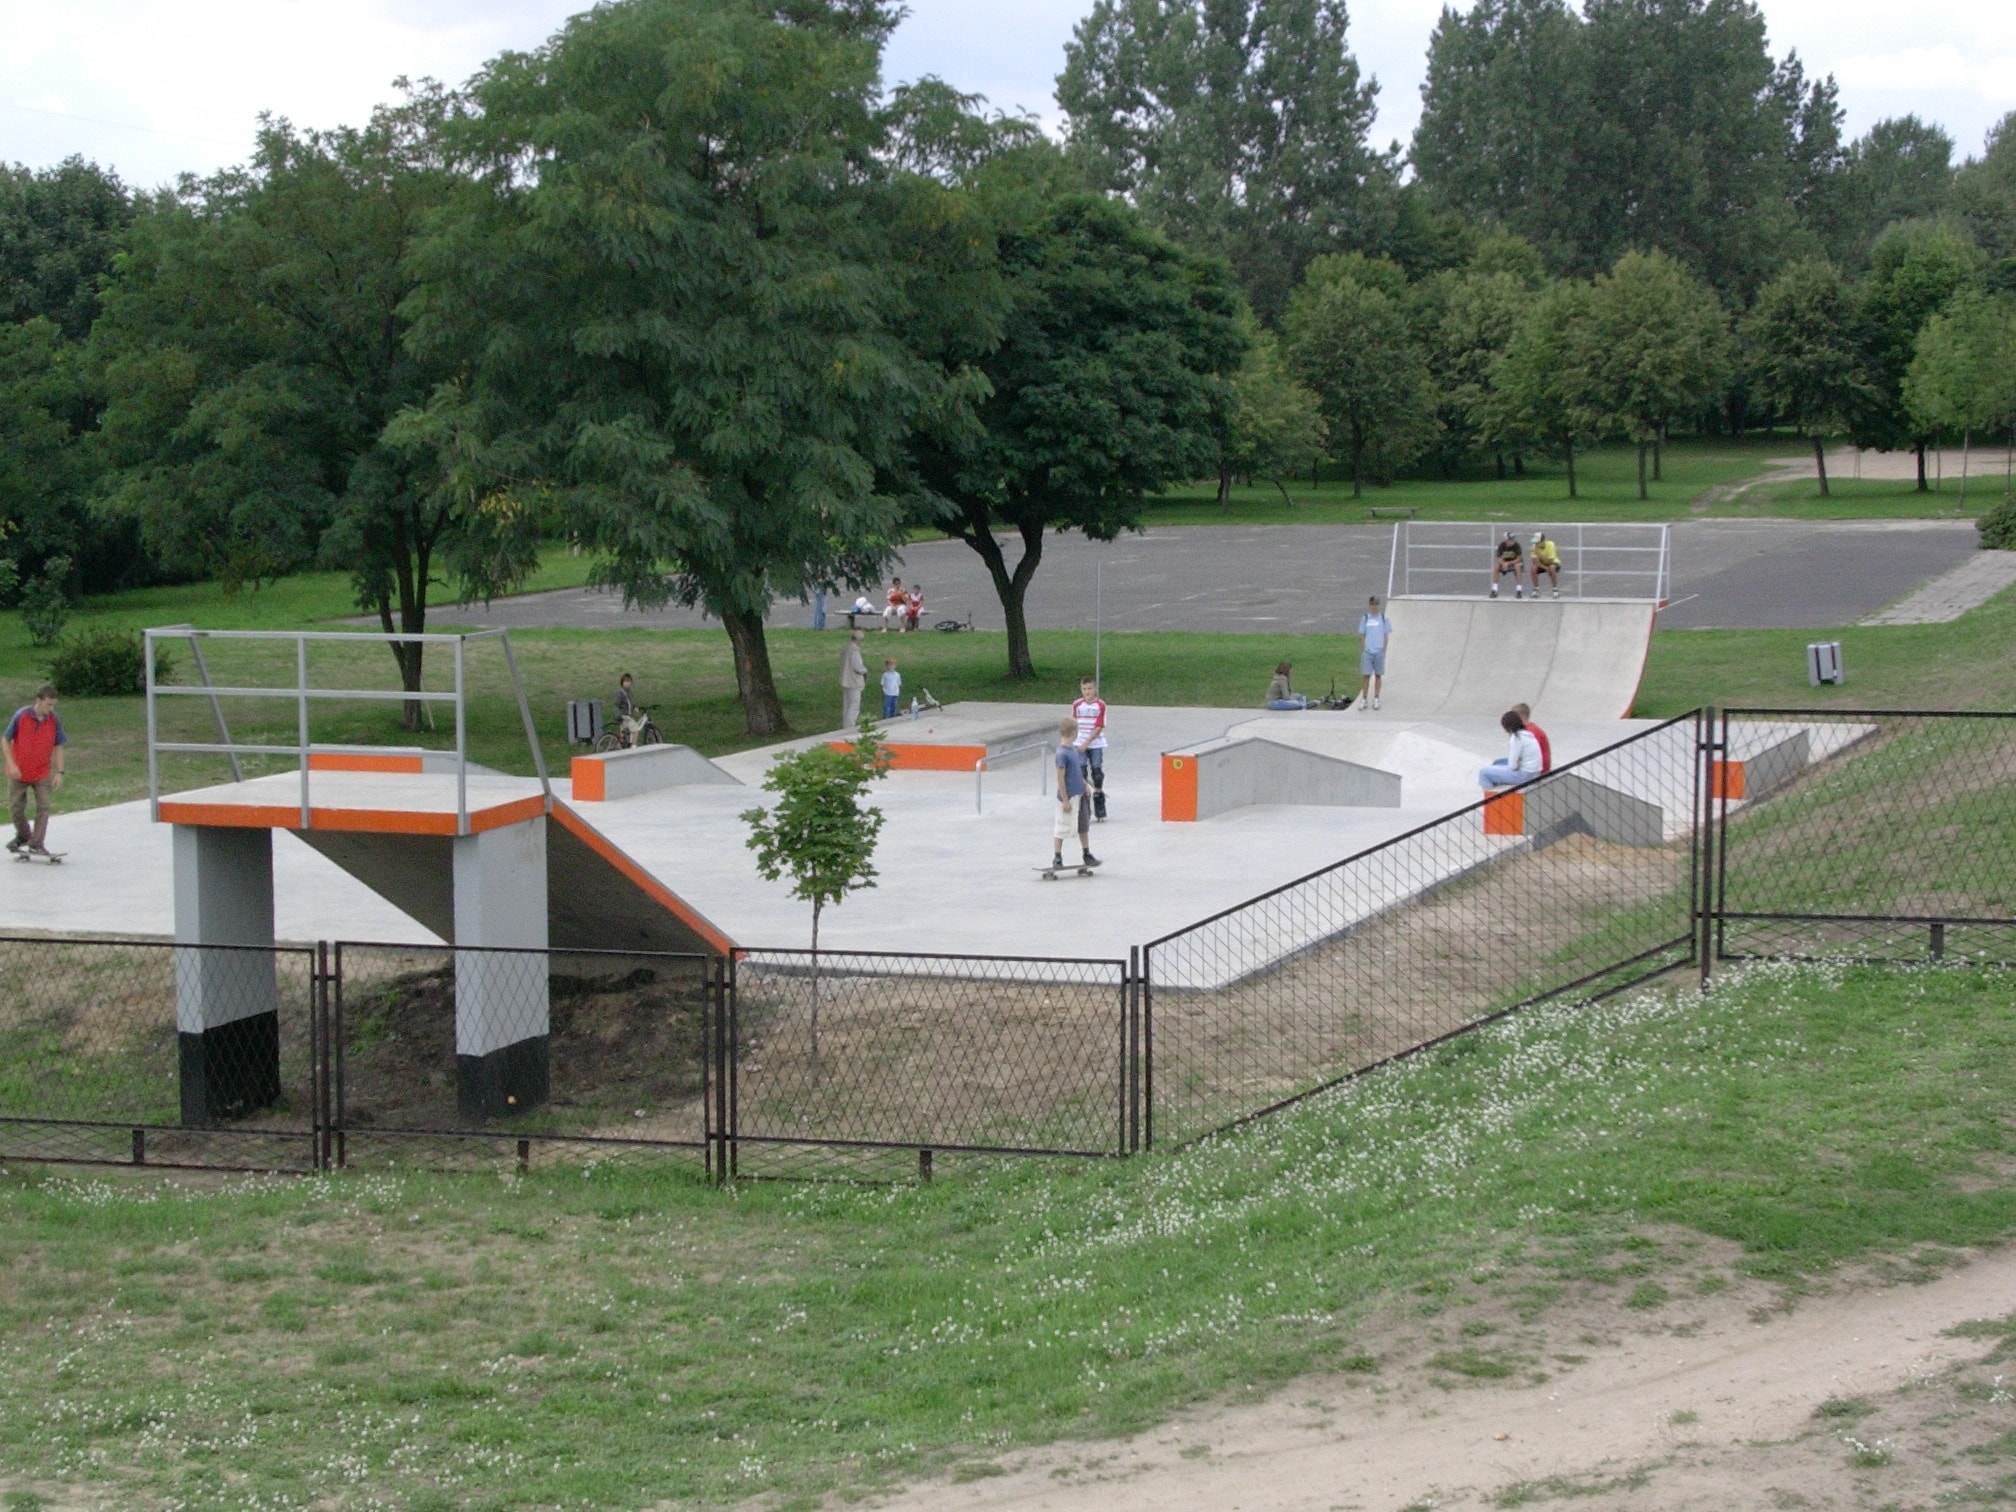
(1012, 588)
(1658, 450)
(1820, 462)
(762, 714)
(1501, 466)
(1641, 471)
(1920, 449)
(815, 988)
(1568, 450)
(1284, 492)
(407, 655)
(1966, 441)
(1518, 464)
(1225, 487)
(1357, 462)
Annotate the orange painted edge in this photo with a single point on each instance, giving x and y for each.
(359, 761)
(1727, 779)
(590, 785)
(1505, 814)
(1179, 789)
(926, 758)
(351, 821)
(649, 885)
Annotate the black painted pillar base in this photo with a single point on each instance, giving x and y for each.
(504, 1082)
(231, 1070)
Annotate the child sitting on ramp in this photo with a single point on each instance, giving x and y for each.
(1510, 561)
(1522, 761)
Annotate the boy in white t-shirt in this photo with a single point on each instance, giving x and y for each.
(1089, 714)
(892, 687)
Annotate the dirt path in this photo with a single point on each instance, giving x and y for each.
(1717, 1405)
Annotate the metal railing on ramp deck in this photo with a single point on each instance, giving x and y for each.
(1452, 559)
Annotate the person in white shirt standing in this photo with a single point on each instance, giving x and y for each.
(1089, 714)
(1374, 629)
(1522, 761)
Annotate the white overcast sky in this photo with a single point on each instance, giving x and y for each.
(158, 87)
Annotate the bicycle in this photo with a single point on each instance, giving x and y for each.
(952, 626)
(627, 731)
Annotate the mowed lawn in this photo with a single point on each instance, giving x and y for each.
(596, 1336)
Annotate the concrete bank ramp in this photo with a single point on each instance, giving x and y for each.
(1241, 771)
(1569, 659)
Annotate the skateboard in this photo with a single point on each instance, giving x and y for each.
(1083, 868)
(54, 858)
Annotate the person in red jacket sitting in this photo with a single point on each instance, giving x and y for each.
(1540, 735)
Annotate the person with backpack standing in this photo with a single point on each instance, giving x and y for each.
(33, 746)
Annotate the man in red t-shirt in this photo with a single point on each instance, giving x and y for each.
(1539, 735)
(33, 746)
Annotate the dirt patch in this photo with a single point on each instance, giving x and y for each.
(1865, 1396)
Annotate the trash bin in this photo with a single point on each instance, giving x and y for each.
(584, 720)
(1823, 663)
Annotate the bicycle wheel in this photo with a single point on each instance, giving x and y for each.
(649, 735)
(949, 626)
(608, 741)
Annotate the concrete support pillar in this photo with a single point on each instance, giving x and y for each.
(227, 1002)
(501, 989)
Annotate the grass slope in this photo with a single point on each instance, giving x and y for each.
(611, 1337)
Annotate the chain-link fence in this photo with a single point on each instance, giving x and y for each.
(1584, 879)
(880, 1054)
(147, 1052)
(455, 1056)
(1782, 833)
(1873, 836)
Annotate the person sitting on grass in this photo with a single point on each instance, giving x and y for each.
(1522, 758)
(1280, 695)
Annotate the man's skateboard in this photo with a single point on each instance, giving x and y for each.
(1083, 868)
(54, 858)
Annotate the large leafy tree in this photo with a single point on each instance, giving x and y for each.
(1901, 169)
(1274, 429)
(1238, 126)
(60, 229)
(1350, 342)
(1805, 356)
(1962, 379)
(1464, 320)
(1108, 383)
(1984, 197)
(265, 409)
(1915, 269)
(1641, 124)
(1659, 347)
(676, 271)
(1543, 387)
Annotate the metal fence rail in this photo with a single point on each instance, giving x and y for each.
(1427, 934)
(1869, 836)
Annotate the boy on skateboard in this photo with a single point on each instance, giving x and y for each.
(1072, 809)
(1510, 560)
(1089, 714)
(33, 746)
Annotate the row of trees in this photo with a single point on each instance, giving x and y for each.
(1497, 358)
(690, 286)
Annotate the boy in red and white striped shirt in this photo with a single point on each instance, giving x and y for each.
(1089, 712)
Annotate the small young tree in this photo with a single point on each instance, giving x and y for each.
(1659, 346)
(819, 831)
(1275, 426)
(1349, 343)
(1543, 386)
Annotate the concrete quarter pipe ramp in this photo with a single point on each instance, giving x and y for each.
(1569, 659)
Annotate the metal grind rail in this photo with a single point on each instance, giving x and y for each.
(303, 694)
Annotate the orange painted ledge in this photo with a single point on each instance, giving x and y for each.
(1726, 779)
(649, 885)
(363, 761)
(926, 758)
(1179, 789)
(355, 821)
(589, 784)
(1505, 814)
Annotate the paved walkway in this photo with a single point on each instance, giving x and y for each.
(1952, 594)
(1302, 579)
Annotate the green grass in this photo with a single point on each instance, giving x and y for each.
(614, 1337)
(1961, 665)
(1606, 487)
(1850, 498)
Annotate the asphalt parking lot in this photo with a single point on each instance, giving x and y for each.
(1302, 579)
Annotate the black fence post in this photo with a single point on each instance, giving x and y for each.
(1938, 939)
(1147, 996)
(337, 1132)
(731, 994)
(1131, 998)
(1706, 769)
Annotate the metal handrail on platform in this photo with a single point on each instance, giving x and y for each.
(980, 767)
(302, 695)
(1590, 567)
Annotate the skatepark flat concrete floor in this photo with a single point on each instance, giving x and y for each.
(951, 879)
(1304, 579)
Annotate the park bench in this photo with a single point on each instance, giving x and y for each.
(1390, 511)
